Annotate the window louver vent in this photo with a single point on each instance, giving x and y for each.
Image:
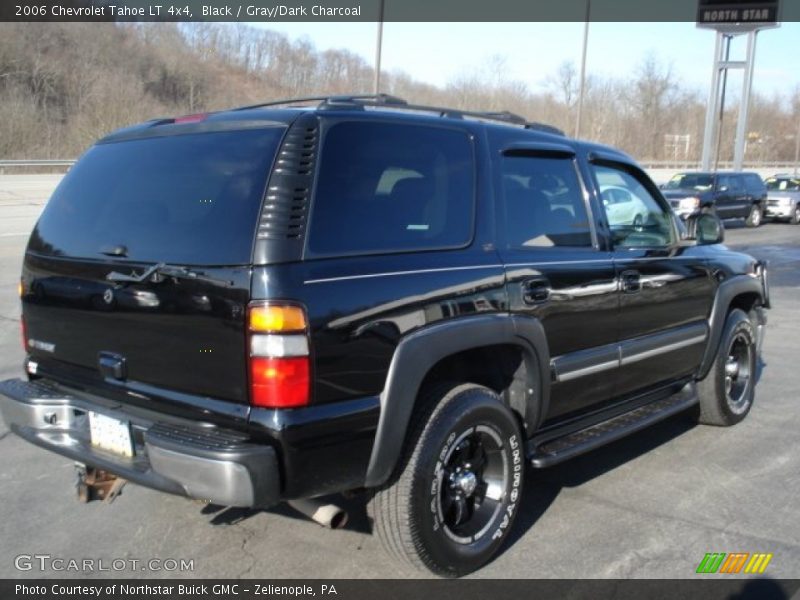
(283, 216)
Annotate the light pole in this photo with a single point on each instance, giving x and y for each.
(378, 45)
(583, 69)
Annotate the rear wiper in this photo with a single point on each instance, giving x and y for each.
(160, 271)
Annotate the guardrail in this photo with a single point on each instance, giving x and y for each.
(44, 162)
(692, 165)
(59, 165)
(687, 165)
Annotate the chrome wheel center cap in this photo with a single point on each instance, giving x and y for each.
(467, 482)
(732, 367)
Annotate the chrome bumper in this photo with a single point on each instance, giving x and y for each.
(207, 464)
(779, 211)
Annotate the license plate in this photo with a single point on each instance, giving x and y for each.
(110, 434)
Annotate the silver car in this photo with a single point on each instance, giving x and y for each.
(783, 198)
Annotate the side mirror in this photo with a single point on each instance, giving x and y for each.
(705, 229)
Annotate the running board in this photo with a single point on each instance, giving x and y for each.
(555, 450)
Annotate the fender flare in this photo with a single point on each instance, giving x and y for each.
(726, 292)
(417, 353)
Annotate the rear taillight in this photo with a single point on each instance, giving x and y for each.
(195, 118)
(278, 356)
(24, 329)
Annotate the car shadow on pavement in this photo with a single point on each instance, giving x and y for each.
(355, 506)
(543, 486)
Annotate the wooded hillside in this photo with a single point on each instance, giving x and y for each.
(62, 85)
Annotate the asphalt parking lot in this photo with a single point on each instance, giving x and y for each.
(647, 506)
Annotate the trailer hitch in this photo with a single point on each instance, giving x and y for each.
(97, 484)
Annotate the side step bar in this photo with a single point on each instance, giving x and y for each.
(555, 450)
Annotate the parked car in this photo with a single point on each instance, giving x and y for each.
(729, 195)
(783, 198)
(410, 301)
(623, 207)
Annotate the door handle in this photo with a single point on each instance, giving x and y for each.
(536, 291)
(630, 281)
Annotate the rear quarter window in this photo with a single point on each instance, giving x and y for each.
(388, 187)
(755, 184)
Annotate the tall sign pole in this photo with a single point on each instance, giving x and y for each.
(744, 105)
(730, 18)
(582, 89)
(378, 48)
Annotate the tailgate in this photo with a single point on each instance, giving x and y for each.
(186, 200)
(178, 334)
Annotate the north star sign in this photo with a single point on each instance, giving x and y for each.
(716, 12)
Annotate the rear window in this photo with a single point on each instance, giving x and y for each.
(754, 183)
(386, 187)
(184, 199)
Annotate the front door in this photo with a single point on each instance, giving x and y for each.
(665, 288)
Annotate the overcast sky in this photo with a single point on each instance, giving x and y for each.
(439, 52)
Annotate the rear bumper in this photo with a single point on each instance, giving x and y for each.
(204, 463)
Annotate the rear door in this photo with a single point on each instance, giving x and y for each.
(556, 272)
(187, 199)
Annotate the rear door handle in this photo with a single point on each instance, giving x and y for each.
(536, 291)
(630, 281)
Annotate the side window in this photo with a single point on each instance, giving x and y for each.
(730, 184)
(639, 222)
(385, 187)
(755, 185)
(544, 204)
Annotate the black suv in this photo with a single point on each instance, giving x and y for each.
(727, 194)
(281, 302)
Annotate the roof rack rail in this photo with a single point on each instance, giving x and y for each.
(545, 128)
(395, 103)
(343, 99)
(505, 116)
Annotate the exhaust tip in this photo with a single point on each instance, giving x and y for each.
(327, 515)
(339, 520)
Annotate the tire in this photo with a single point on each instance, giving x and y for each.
(727, 392)
(795, 218)
(755, 217)
(435, 512)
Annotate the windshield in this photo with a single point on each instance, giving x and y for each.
(783, 184)
(182, 199)
(690, 181)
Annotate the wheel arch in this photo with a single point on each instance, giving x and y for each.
(740, 291)
(419, 354)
